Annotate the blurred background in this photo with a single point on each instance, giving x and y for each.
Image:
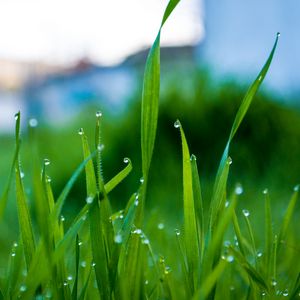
(62, 60)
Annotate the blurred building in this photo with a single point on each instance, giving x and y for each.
(239, 36)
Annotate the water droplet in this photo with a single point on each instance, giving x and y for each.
(161, 226)
(17, 115)
(177, 124)
(239, 190)
(167, 270)
(22, 175)
(118, 239)
(273, 282)
(232, 288)
(146, 282)
(137, 231)
(48, 179)
(62, 218)
(23, 288)
(278, 34)
(145, 241)
(93, 264)
(46, 162)
(226, 203)
(83, 264)
(65, 283)
(121, 216)
(260, 78)
(161, 260)
(285, 293)
(177, 232)
(80, 243)
(230, 258)
(229, 160)
(100, 147)
(89, 199)
(141, 180)
(48, 294)
(126, 160)
(70, 277)
(246, 212)
(193, 157)
(80, 131)
(263, 294)
(296, 188)
(15, 244)
(136, 202)
(13, 254)
(98, 114)
(259, 254)
(227, 243)
(33, 122)
(265, 191)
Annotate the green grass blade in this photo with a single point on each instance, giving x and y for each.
(198, 203)
(24, 219)
(216, 199)
(110, 185)
(77, 256)
(191, 233)
(171, 6)
(239, 236)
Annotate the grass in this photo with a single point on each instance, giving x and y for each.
(106, 254)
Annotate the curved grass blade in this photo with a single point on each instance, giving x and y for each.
(191, 233)
(216, 199)
(77, 255)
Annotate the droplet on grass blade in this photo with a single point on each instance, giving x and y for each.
(273, 282)
(177, 124)
(23, 288)
(70, 277)
(161, 226)
(145, 241)
(46, 162)
(168, 270)
(17, 116)
(141, 180)
(89, 199)
(229, 160)
(177, 232)
(296, 188)
(62, 218)
(259, 254)
(246, 213)
(239, 189)
(265, 191)
(83, 264)
(278, 34)
(126, 160)
(100, 147)
(98, 114)
(80, 131)
(118, 238)
(285, 293)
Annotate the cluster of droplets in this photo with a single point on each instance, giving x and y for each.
(14, 248)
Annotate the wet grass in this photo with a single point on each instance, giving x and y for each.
(107, 254)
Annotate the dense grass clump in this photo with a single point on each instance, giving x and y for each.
(105, 254)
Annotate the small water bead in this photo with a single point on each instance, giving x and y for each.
(260, 78)
(246, 213)
(273, 282)
(193, 157)
(239, 190)
(93, 264)
(80, 131)
(229, 160)
(13, 254)
(48, 294)
(65, 283)
(136, 202)
(126, 160)
(146, 282)
(263, 294)
(161, 226)
(100, 147)
(285, 293)
(231, 288)
(137, 231)
(227, 244)
(84, 217)
(259, 254)
(48, 179)
(33, 122)
(46, 162)
(62, 218)
(17, 115)
(278, 34)
(145, 241)
(98, 114)
(142, 180)
(265, 191)
(23, 288)
(177, 124)
(22, 175)
(83, 264)
(168, 270)
(70, 277)
(89, 199)
(15, 244)
(80, 243)
(230, 258)
(118, 238)
(161, 260)
(296, 188)
(177, 232)
(226, 203)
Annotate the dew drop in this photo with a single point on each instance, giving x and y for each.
(142, 180)
(65, 283)
(239, 190)
(273, 282)
(13, 254)
(84, 217)
(161, 260)
(193, 157)
(100, 147)
(296, 188)
(46, 162)
(48, 179)
(167, 270)
(260, 78)
(265, 191)
(89, 199)
(48, 294)
(145, 241)
(62, 218)
(146, 282)
(230, 258)
(246, 212)
(80, 131)
(285, 293)
(23, 288)
(17, 115)
(177, 232)
(93, 264)
(229, 160)
(226, 203)
(22, 175)
(98, 114)
(263, 294)
(177, 124)
(83, 264)
(161, 226)
(137, 231)
(118, 238)
(278, 34)
(259, 254)
(15, 244)
(33, 122)
(80, 243)
(70, 277)
(227, 243)
(126, 160)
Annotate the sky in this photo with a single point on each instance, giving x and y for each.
(62, 31)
